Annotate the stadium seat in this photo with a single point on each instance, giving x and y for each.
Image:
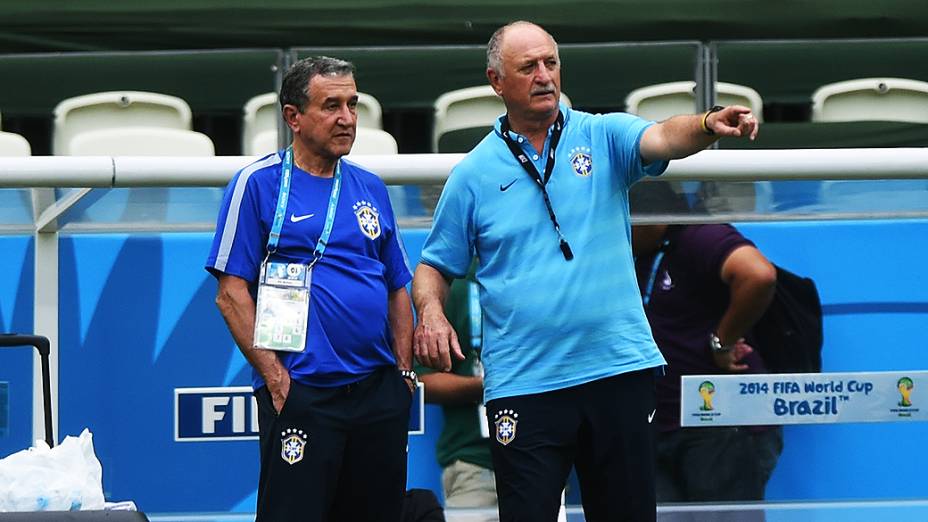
(14, 145)
(370, 115)
(464, 116)
(661, 101)
(116, 109)
(126, 123)
(872, 99)
(373, 141)
(264, 142)
(404, 198)
(259, 125)
(141, 141)
(262, 113)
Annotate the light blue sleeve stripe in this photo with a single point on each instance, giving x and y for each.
(228, 231)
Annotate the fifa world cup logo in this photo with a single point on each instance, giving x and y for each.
(905, 386)
(706, 390)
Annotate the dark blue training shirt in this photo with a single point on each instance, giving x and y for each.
(349, 335)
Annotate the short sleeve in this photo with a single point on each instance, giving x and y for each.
(710, 246)
(239, 242)
(449, 246)
(624, 132)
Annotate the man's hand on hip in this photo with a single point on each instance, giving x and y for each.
(279, 390)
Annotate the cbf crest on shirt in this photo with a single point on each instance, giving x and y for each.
(581, 160)
(368, 218)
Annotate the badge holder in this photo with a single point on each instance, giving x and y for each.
(282, 309)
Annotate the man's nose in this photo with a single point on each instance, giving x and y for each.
(542, 75)
(347, 116)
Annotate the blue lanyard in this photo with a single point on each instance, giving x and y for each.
(657, 263)
(284, 195)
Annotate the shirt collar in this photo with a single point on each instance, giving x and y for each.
(498, 125)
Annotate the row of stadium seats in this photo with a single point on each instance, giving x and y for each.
(153, 124)
(875, 99)
(143, 123)
(463, 117)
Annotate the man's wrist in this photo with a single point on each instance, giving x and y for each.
(409, 375)
(704, 122)
(716, 346)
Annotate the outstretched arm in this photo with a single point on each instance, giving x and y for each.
(682, 136)
(434, 340)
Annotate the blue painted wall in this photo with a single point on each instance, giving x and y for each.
(16, 299)
(874, 290)
(137, 320)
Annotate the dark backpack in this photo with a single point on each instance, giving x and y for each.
(788, 336)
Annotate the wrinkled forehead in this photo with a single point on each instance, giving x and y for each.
(325, 86)
(527, 42)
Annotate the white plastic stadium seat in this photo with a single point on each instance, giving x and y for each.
(14, 145)
(468, 108)
(370, 115)
(121, 109)
(661, 101)
(874, 99)
(261, 114)
(141, 141)
(376, 141)
(373, 141)
(263, 143)
(259, 125)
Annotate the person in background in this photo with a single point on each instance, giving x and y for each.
(463, 448)
(703, 287)
(539, 202)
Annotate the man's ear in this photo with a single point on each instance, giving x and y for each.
(494, 79)
(291, 117)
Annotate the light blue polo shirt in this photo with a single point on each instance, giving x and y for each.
(550, 323)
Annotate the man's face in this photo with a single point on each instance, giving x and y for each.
(530, 82)
(329, 120)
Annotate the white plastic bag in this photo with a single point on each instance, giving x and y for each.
(67, 477)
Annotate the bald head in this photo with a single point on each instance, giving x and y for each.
(495, 45)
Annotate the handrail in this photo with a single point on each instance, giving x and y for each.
(709, 165)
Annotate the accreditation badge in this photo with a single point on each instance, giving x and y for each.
(282, 310)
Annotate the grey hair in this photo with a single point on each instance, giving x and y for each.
(494, 57)
(295, 87)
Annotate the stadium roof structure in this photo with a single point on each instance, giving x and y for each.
(102, 25)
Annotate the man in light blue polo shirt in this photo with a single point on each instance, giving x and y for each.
(542, 202)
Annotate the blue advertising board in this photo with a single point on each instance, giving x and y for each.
(231, 413)
(137, 322)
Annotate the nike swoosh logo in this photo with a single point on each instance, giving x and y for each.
(296, 219)
(651, 416)
(504, 188)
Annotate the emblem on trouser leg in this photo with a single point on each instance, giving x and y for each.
(505, 421)
(292, 443)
